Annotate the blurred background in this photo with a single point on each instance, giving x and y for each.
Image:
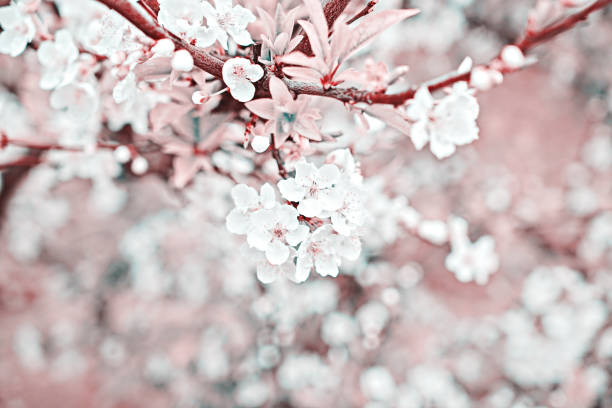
(119, 290)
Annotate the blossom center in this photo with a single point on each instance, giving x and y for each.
(239, 71)
(279, 232)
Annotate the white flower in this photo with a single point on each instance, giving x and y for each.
(449, 123)
(185, 18)
(377, 383)
(274, 230)
(79, 100)
(247, 201)
(313, 188)
(58, 59)
(126, 89)
(238, 74)
(338, 329)
(225, 19)
(470, 261)
(268, 272)
(323, 250)
(351, 215)
(17, 30)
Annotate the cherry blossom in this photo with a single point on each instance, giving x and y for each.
(79, 100)
(446, 123)
(58, 59)
(185, 19)
(224, 20)
(239, 75)
(274, 230)
(314, 188)
(17, 29)
(247, 200)
(223, 202)
(323, 250)
(268, 272)
(470, 261)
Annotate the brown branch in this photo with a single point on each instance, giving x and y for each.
(531, 39)
(282, 171)
(27, 161)
(53, 146)
(364, 11)
(153, 30)
(332, 10)
(153, 5)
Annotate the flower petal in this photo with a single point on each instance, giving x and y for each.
(290, 190)
(277, 252)
(297, 235)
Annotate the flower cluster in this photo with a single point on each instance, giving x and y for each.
(185, 18)
(17, 29)
(295, 236)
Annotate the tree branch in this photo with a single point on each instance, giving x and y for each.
(333, 9)
(152, 29)
(530, 40)
(27, 161)
(533, 38)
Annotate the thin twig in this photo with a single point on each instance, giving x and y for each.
(282, 171)
(364, 11)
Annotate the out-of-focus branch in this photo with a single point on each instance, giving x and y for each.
(27, 161)
(533, 38)
(52, 146)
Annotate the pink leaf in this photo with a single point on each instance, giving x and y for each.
(280, 92)
(302, 73)
(317, 17)
(166, 113)
(298, 58)
(313, 37)
(390, 116)
(263, 108)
